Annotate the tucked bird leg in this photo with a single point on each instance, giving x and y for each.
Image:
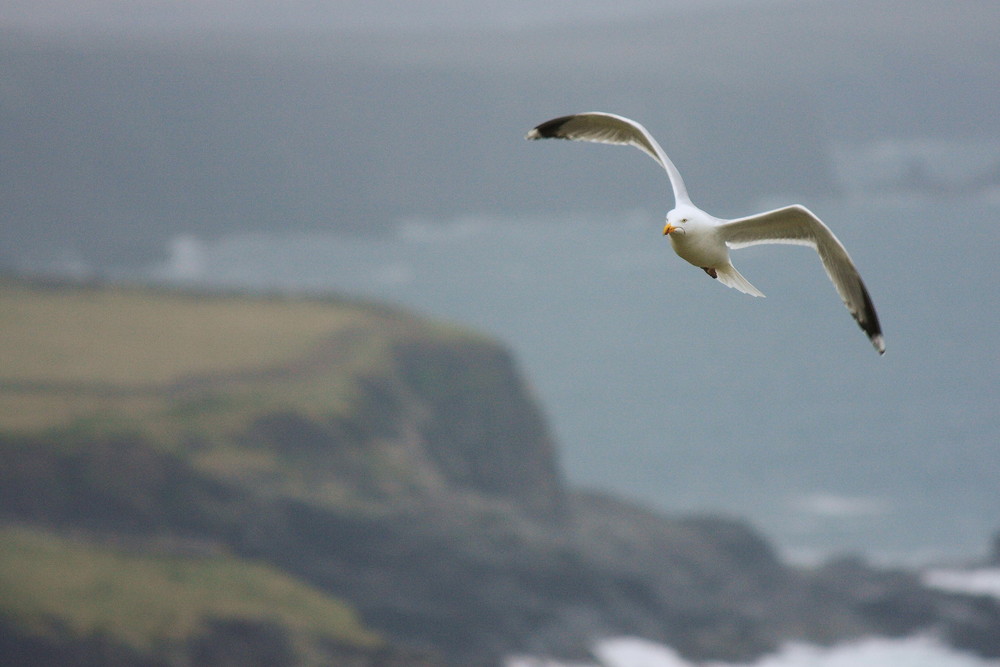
(710, 271)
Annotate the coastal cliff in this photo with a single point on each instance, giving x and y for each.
(286, 480)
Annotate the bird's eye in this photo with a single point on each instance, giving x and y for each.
(684, 219)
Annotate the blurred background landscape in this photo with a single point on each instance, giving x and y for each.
(294, 272)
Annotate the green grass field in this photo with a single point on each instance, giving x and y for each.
(119, 356)
(136, 338)
(143, 600)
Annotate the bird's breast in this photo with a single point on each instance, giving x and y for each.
(700, 246)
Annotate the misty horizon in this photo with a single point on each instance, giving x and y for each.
(155, 142)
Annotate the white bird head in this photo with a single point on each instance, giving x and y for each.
(681, 218)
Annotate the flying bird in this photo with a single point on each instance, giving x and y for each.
(705, 241)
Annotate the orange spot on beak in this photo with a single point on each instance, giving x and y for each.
(669, 228)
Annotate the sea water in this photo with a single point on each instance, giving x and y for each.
(665, 387)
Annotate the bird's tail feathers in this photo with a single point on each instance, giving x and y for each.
(730, 277)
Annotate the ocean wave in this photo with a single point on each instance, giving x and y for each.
(917, 651)
(983, 581)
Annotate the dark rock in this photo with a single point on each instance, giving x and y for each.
(233, 642)
(54, 644)
(480, 427)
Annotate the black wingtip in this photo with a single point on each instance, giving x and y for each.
(549, 129)
(870, 325)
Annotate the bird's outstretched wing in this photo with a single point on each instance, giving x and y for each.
(798, 225)
(606, 128)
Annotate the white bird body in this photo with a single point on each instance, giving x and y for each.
(697, 238)
(705, 241)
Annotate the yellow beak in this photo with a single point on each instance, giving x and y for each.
(669, 228)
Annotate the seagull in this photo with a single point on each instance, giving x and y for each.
(705, 241)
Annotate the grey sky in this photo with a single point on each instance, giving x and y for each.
(110, 17)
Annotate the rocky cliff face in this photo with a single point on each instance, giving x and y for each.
(403, 468)
(478, 424)
(440, 417)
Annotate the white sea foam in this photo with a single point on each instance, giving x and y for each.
(187, 261)
(984, 581)
(839, 506)
(918, 651)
